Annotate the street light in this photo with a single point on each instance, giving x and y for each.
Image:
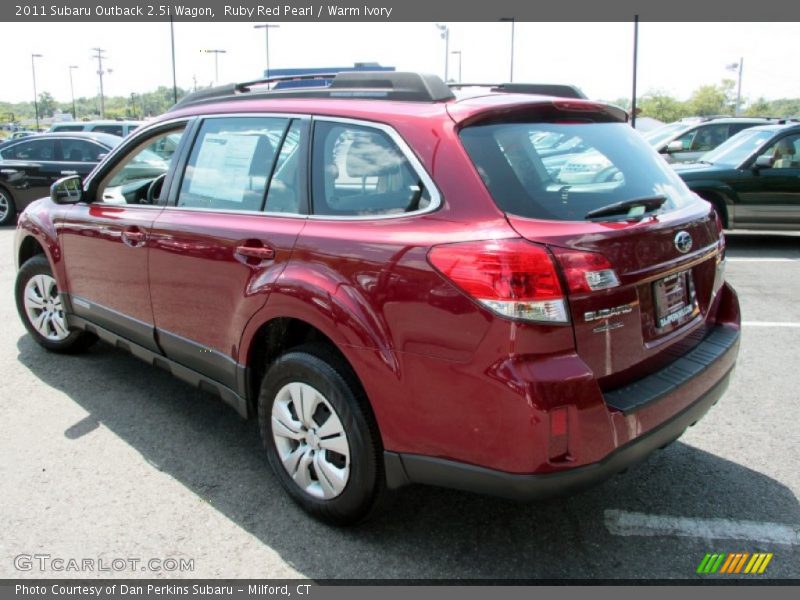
(444, 32)
(513, 24)
(35, 93)
(266, 27)
(737, 67)
(72, 92)
(216, 54)
(459, 63)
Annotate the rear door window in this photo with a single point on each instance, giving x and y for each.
(361, 171)
(609, 163)
(31, 150)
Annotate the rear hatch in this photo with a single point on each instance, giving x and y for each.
(614, 214)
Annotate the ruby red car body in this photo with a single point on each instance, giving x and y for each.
(449, 381)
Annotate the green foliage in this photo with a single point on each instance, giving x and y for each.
(660, 106)
(147, 104)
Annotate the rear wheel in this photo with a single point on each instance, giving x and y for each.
(8, 210)
(319, 438)
(42, 311)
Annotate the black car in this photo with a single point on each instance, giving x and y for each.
(29, 166)
(753, 179)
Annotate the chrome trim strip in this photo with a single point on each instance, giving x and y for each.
(408, 153)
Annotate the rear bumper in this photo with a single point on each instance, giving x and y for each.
(710, 366)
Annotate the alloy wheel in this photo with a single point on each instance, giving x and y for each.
(44, 308)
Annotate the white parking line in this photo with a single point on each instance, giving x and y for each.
(621, 522)
(790, 324)
(747, 259)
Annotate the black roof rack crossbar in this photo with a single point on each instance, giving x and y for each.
(377, 85)
(541, 89)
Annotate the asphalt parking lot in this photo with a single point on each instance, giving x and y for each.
(104, 457)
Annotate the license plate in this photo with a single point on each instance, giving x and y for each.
(675, 299)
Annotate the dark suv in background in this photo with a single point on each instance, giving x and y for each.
(753, 179)
(688, 139)
(390, 279)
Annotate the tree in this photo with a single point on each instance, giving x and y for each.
(47, 104)
(759, 108)
(659, 105)
(711, 100)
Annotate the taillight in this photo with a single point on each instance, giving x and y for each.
(513, 278)
(586, 271)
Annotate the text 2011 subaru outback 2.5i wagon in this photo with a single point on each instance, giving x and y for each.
(389, 279)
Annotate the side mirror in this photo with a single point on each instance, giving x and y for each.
(675, 146)
(101, 156)
(763, 162)
(67, 190)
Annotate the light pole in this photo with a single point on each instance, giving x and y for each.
(174, 77)
(72, 92)
(266, 27)
(737, 67)
(35, 93)
(444, 31)
(100, 55)
(133, 104)
(513, 26)
(635, 68)
(216, 53)
(459, 63)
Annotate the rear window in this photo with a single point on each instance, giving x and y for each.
(604, 163)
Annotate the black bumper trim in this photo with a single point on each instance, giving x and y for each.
(403, 469)
(652, 388)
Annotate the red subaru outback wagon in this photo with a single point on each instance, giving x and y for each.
(401, 285)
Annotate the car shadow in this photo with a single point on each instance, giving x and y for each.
(423, 532)
(763, 245)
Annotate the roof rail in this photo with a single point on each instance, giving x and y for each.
(374, 85)
(541, 89)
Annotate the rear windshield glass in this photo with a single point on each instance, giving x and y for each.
(602, 163)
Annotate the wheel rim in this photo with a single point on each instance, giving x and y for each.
(44, 308)
(4, 206)
(310, 440)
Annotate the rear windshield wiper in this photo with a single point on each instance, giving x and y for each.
(624, 207)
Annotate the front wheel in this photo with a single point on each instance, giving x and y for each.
(41, 309)
(320, 439)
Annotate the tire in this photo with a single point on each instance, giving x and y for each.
(338, 478)
(41, 311)
(8, 209)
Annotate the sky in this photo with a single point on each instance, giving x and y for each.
(674, 58)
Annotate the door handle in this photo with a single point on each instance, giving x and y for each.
(252, 255)
(134, 237)
(69, 172)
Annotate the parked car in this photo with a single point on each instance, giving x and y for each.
(120, 128)
(684, 141)
(29, 166)
(753, 179)
(688, 139)
(390, 281)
